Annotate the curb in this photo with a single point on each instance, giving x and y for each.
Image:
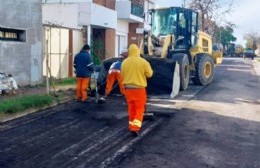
(256, 65)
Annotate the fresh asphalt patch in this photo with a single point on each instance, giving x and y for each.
(75, 134)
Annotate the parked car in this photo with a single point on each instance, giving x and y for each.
(249, 53)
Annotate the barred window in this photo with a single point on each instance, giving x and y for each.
(12, 35)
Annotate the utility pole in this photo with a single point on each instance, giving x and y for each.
(47, 65)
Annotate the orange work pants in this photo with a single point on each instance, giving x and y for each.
(82, 87)
(136, 100)
(111, 77)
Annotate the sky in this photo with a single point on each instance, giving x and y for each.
(243, 16)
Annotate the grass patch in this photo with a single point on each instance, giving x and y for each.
(66, 81)
(61, 82)
(21, 103)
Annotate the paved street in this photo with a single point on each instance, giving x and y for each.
(219, 128)
(215, 126)
(58, 58)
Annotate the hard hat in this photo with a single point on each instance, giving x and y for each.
(124, 54)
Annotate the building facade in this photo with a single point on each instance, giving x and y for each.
(109, 26)
(21, 40)
(130, 22)
(70, 24)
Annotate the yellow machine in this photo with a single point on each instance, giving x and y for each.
(174, 38)
(174, 35)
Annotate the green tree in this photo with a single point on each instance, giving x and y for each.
(98, 51)
(225, 35)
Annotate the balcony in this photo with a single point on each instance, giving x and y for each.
(126, 10)
(97, 16)
(76, 15)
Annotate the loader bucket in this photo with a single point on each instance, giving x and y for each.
(161, 81)
(159, 84)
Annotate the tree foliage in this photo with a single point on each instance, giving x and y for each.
(212, 13)
(252, 39)
(205, 7)
(97, 52)
(225, 35)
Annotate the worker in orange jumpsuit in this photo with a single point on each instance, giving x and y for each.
(84, 67)
(114, 73)
(135, 70)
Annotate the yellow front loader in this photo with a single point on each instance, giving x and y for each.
(173, 40)
(174, 36)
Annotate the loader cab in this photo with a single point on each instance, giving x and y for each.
(181, 22)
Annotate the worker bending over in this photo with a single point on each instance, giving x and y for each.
(114, 73)
(134, 71)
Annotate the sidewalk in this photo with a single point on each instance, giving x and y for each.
(256, 64)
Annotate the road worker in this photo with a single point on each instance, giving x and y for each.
(84, 67)
(114, 73)
(135, 70)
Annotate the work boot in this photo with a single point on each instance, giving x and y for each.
(102, 100)
(87, 101)
(78, 100)
(135, 133)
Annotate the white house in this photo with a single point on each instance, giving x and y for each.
(68, 24)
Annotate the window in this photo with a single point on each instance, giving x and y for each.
(12, 35)
(194, 28)
(205, 45)
(164, 22)
(137, 10)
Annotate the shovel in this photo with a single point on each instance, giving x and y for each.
(97, 99)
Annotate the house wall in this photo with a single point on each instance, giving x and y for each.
(110, 33)
(148, 4)
(121, 41)
(65, 1)
(58, 50)
(96, 15)
(58, 14)
(110, 42)
(133, 37)
(22, 59)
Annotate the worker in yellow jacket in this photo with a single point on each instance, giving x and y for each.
(135, 70)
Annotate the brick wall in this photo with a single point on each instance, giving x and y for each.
(110, 43)
(141, 2)
(100, 2)
(132, 36)
(109, 33)
(111, 4)
(107, 3)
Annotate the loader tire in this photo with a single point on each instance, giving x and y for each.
(184, 65)
(204, 70)
(146, 50)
